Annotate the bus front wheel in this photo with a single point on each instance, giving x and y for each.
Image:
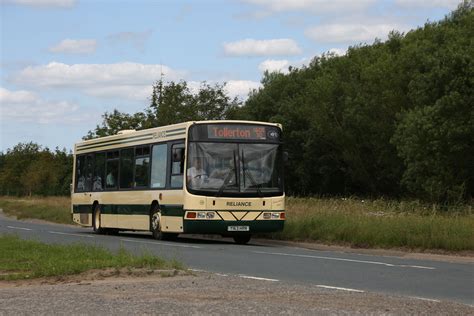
(242, 239)
(155, 223)
(96, 221)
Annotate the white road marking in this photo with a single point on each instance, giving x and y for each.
(339, 288)
(69, 234)
(348, 260)
(22, 228)
(425, 299)
(257, 278)
(161, 243)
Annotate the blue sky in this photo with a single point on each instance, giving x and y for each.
(63, 63)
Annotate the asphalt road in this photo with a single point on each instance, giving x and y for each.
(423, 279)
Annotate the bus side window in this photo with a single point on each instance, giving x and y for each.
(112, 169)
(142, 165)
(159, 162)
(80, 176)
(126, 168)
(98, 181)
(89, 168)
(177, 165)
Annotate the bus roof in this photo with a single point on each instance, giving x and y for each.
(145, 136)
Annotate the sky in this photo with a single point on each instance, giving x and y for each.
(64, 63)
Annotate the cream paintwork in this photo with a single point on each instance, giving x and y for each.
(135, 222)
(250, 216)
(227, 216)
(172, 224)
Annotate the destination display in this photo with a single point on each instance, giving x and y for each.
(235, 132)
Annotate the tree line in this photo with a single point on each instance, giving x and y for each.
(28, 169)
(394, 118)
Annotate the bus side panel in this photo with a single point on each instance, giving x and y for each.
(81, 209)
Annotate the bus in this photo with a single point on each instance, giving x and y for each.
(206, 177)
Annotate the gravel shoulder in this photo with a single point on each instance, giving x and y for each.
(146, 292)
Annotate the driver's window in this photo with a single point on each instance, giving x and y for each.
(177, 165)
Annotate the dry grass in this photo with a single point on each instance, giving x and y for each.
(379, 223)
(54, 208)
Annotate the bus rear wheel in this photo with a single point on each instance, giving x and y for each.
(242, 239)
(96, 221)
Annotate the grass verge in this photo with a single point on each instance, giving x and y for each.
(345, 221)
(378, 223)
(52, 209)
(26, 259)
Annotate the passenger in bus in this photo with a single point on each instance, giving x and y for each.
(97, 184)
(110, 180)
(196, 174)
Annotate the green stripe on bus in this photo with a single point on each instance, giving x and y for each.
(172, 210)
(129, 209)
(82, 209)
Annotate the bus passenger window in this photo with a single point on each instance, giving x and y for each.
(177, 165)
(126, 168)
(112, 170)
(158, 166)
(80, 176)
(98, 180)
(142, 164)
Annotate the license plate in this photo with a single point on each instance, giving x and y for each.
(238, 228)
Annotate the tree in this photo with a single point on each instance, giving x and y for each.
(171, 103)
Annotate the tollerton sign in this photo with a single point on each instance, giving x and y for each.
(236, 132)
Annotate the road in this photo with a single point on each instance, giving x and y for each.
(422, 279)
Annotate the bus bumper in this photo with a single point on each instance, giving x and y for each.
(226, 227)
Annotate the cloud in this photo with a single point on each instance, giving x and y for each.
(314, 6)
(350, 32)
(26, 106)
(136, 39)
(450, 4)
(69, 46)
(42, 3)
(241, 88)
(121, 80)
(283, 65)
(252, 47)
(338, 51)
(272, 65)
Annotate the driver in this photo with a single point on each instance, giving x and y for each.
(196, 171)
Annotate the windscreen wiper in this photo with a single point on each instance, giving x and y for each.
(227, 178)
(246, 172)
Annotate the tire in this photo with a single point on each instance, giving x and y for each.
(242, 239)
(96, 221)
(155, 223)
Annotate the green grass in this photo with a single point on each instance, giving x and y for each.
(52, 209)
(379, 223)
(25, 259)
